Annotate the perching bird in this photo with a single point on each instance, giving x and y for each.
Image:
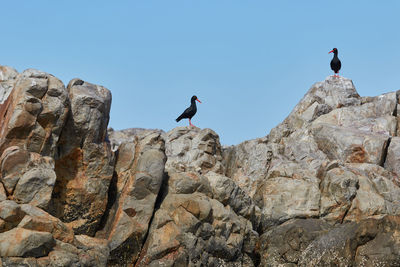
(335, 62)
(190, 111)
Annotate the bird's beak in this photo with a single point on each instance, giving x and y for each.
(330, 51)
(198, 100)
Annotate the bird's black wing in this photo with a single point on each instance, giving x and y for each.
(184, 114)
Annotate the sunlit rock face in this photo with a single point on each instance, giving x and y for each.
(321, 189)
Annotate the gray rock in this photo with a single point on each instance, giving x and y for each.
(384, 250)
(89, 115)
(283, 245)
(84, 163)
(350, 145)
(139, 173)
(10, 214)
(322, 97)
(193, 149)
(126, 135)
(28, 177)
(227, 192)
(33, 116)
(7, 80)
(20, 242)
(393, 156)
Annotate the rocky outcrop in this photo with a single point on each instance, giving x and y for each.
(85, 162)
(322, 189)
(139, 172)
(54, 160)
(313, 242)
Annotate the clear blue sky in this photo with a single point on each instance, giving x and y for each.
(249, 62)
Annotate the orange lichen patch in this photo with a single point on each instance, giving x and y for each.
(358, 155)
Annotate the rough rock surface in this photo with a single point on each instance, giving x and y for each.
(322, 189)
(28, 177)
(85, 162)
(34, 114)
(139, 172)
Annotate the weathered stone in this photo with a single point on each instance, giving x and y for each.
(289, 192)
(350, 145)
(85, 163)
(32, 117)
(3, 195)
(7, 80)
(330, 94)
(188, 183)
(392, 162)
(139, 174)
(80, 194)
(20, 242)
(192, 229)
(285, 243)
(248, 162)
(375, 116)
(126, 135)
(90, 106)
(11, 214)
(95, 251)
(28, 177)
(193, 149)
(376, 195)
(339, 245)
(39, 220)
(338, 189)
(384, 250)
(13, 163)
(227, 192)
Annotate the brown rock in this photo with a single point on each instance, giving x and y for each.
(139, 174)
(20, 242)
(85, 164)
(28, 177)
(193, 149)
(33, 115)
(39, 220)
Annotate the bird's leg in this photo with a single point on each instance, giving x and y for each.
(190, 122)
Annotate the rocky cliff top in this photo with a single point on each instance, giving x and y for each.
(321, 189)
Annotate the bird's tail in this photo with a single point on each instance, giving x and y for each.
(179, 118)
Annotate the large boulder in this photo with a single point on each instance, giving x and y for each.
(139, 173)
(28, 177)
(34, 114)
(193, 149)
(20, 242)
(393, 156)
(85, 162)
(321, 98)
(314, 242)
(195, 230)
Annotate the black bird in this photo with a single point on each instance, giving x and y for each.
(190, 111)
(335, 62)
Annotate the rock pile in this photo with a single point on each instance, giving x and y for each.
(322, 189)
